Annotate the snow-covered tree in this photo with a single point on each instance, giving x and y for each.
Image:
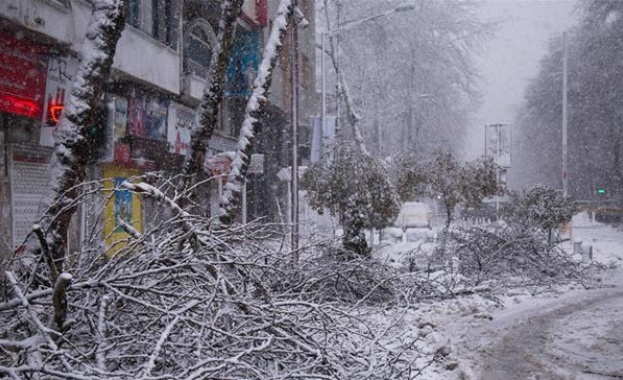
(255, 105)
(74, 147)
(446, 179)
(595, 139)
(234, 308)
(410, 73)
(213, 93)
(355, 187)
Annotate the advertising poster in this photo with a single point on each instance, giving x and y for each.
(120, 118)
(156, 118)
(243, 63)
(180, 124)
(123, 205)
(136, 115)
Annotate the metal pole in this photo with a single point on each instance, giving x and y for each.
(244, 202)
(338, 76)
(498, 132)
(565, 176)
(323, 37)
(294, 123)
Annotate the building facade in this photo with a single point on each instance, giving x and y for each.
(157, 82)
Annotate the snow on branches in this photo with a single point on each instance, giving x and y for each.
(157, 311)
(250, 125)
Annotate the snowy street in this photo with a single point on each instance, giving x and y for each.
(578, 338)
(571, 333)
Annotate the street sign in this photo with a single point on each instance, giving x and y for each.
(498, 143)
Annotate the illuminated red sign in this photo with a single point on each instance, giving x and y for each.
(55, 107)
(22, 76)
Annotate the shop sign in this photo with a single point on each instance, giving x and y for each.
(180, 124)
(60, 76)
(256, 164)
(22, 76)
(255, 12)
(218, 165)
(123, 156)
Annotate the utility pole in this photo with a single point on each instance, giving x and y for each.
(294, 120)
(565, 174)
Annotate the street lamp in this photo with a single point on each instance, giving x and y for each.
(346, 26)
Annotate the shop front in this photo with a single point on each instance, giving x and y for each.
(23, 175)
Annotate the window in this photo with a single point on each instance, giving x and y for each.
(156, 18)
(169, 23)
(198, 49)
(133, 16)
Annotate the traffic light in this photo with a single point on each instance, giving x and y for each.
(601, 191)
(99, 133)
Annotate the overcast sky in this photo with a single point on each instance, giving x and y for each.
(512, 56)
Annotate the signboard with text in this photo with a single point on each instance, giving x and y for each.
(23, 67)
(498, 143)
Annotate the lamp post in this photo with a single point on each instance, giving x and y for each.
(299, 21)
(346, 26)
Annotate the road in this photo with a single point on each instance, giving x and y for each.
(567, 339)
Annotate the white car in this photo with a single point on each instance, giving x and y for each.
(414, 215)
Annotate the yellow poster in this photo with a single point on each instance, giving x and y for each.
(122, 207)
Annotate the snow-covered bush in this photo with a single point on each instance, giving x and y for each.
(510, 255)
(540, 207)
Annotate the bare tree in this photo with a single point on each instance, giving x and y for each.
(410, 72)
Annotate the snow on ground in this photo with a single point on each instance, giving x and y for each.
(566, 333)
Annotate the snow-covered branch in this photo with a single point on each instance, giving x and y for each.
(251, 121)
(73, 148)
(213, 93)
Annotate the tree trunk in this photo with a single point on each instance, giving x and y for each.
(74, 148)
(213, 95)
(253, 113)
(354, 239)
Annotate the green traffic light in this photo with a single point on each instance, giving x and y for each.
(601, 191)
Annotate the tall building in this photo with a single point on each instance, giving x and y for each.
(157, 82)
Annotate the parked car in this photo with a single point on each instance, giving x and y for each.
(414, 215)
